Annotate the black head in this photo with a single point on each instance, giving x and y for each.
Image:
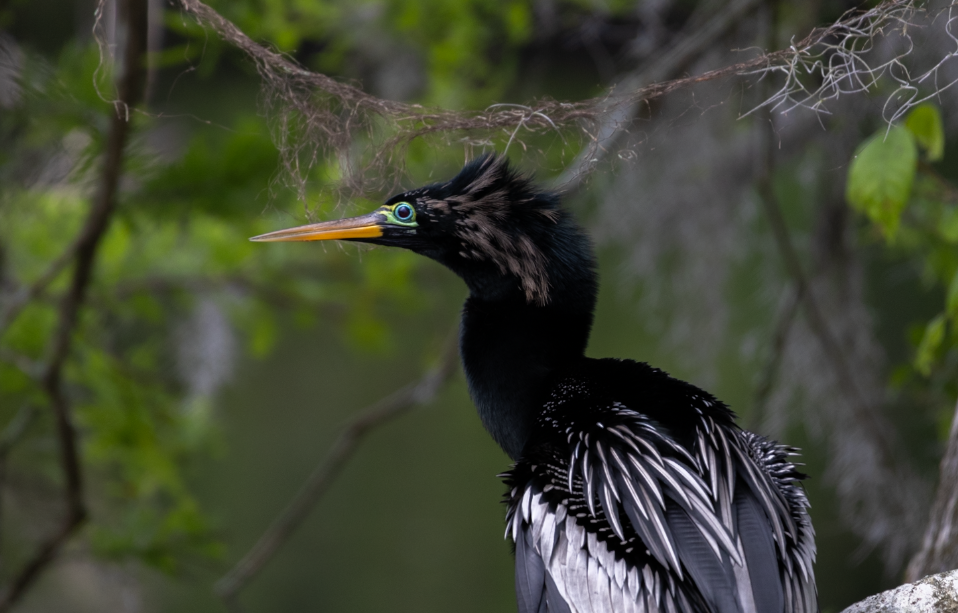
(488, 224)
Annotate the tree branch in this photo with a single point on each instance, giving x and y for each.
(789, 310)
(847, 383)
(26, 295)
(414, 394)
(939, 547)
(130, 90)
(689, 46)
(783, 327)
(319, 115)
(844, 374)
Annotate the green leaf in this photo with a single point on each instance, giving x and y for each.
(929, 345)
(924, 122)
(881, 176)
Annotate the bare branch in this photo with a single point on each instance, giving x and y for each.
(870, 480)
(702, 34)
(129, 94)
(783, 327)
(417, 393)
(939, 548)
(867, 415)
(14, 430)
(26, 295)
(318, 115)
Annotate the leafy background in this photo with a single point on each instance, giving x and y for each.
(209, 374)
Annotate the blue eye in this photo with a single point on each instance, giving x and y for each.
(403, 212)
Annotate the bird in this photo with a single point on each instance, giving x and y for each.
(631, 490)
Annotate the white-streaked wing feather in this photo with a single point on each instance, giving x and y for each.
(634, 467)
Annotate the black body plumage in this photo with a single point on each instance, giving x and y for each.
(637, 492)
(631, 490)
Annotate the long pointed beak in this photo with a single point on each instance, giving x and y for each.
(365, 226)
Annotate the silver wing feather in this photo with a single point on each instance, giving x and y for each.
(629, 520)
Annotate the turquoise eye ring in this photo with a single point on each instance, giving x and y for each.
(404, 212)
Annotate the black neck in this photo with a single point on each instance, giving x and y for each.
(510, 348)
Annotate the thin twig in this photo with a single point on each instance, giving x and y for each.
(28, 294)
(786, 316)
(414, 394)
(783, 328)
(130, 91)
(689, 46)
(15, 429)
(847, 383)
(864, 413)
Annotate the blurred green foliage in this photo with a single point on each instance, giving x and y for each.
(471, 48)
(202, 174)
(192, 193)
(916, 210)
(179, 237)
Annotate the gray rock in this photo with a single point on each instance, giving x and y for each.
(933, 594)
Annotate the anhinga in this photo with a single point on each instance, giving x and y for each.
(632, 490)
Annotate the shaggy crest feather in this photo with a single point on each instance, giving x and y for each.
(493, 206)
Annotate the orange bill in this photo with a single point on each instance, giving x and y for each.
(365, 226)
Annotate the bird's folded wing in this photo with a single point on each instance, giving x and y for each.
(715, 524)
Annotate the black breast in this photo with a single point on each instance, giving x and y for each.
(588, 387)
